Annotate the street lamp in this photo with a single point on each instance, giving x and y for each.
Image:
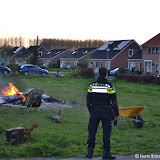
(108, 49)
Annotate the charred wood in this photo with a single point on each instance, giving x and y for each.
(9, 99)
(56, 117)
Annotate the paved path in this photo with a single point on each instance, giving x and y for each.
(130, 157)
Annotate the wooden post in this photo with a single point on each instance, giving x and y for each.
(15, 135)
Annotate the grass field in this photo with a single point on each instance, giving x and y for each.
(68, 139)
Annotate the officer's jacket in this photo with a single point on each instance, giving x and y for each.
(102, 92)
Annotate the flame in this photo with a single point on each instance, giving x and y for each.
(13, 90)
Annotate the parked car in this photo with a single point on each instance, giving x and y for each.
(4, 70)
(115, 71)
(64, 66)
(29, 68)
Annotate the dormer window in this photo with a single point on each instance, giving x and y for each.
(130, 52)
(40, 53)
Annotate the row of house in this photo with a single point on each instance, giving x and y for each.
(122, 53)
(113, 54)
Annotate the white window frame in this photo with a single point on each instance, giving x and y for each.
(75, 63)
(90, 64)
(156, 67)
(130, 55)
(145, 65)
(108, 67)
(132, 65)
(63, 62)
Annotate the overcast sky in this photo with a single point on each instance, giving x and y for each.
(80, 19)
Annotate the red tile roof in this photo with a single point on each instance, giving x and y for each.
(153, 41)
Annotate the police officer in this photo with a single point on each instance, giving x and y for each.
(102, 106)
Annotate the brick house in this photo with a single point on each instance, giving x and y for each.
(116, 56)
(135, 62)
(40, 49)
(24, 55)
(13, 53)
(77, 56)
(151, 55)
(54, 55)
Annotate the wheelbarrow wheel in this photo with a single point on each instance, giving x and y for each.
(138, 124)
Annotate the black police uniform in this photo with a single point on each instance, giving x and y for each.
(101, 103)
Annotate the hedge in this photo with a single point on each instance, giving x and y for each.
(139, 78)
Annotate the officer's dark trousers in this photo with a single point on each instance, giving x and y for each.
(100, 114)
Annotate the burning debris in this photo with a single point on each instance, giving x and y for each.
(12, 90)
(12, 97)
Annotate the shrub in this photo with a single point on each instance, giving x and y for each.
(13, 66)
(82, 65)
(73, 73)
(122, 70)
(53, 65)
(147, 78)
(139, 78)
(157, 80)
(87, 73)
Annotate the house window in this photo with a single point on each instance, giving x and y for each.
(147, 66)
(132, 65)
(153, 50)
(140, 66)
(75, 63)
(157, 50)
(90, 64)
(130, 52)
(108, 65)
(96, 64)
(149, 50)
(101, 65)
(40, 53)
(157, 68)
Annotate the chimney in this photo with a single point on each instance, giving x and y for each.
(37, 40)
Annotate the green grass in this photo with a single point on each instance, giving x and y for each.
(68, 139)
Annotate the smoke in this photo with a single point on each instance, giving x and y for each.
(1, 100)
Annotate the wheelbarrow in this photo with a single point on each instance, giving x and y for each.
(131, 114)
